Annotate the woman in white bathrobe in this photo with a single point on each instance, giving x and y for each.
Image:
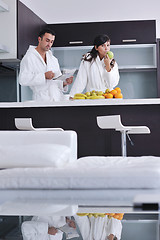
(97, 71)
(100, 228)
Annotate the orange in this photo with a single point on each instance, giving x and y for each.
(113, 92)
(118, 89)
(112, 214)
(108, 95)
(118, 95)
(118, 216)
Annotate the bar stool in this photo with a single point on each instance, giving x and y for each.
(114, 122)
(26, 124)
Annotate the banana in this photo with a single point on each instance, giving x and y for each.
(79, 98)
(87, 94)
(82, 214)
(97, 97)
(90, 215)
(80, 95)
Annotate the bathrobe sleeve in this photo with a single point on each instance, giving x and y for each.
(34, 230)
(81, 80)
(84, 226)
(111, 78)
(29, 74)
(114, 227)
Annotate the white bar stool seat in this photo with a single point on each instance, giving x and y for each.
(26, 124)
(114, 122)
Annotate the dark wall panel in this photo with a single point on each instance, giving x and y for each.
(28, 27)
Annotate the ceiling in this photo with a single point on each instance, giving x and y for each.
(61, 11)
(70, 11)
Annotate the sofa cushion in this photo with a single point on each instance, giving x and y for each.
(34, 155)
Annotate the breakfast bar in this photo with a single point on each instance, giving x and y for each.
(80, 116)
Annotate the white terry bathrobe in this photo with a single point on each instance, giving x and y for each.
(32, 74)
(94, 76)
(37, 229)
(99, 228)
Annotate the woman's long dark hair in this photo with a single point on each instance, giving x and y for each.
(99, 40)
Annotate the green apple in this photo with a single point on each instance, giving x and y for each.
(110, 54)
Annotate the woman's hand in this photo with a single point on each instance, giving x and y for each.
(68, 81)
(110, 237)
(107, 62)
(72, 224)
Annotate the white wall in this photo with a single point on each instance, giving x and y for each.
(8, 29)
(61, 11)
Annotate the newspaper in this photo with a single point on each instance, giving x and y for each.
(69, 231)
(66, 73)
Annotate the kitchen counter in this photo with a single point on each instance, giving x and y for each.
(88, 102)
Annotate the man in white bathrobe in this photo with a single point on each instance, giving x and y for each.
(46, 228)
(40, 70)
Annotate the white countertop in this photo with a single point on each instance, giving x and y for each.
(88, 102)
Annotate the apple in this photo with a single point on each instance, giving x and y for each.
(110, 54)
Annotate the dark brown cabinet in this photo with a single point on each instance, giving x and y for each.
(120, 32)
(158, 69)
(7, 224)
(28, 26)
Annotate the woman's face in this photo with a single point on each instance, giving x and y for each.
(103, 49)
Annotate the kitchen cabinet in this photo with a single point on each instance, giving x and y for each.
(3, 8)
(29, 26)
(147, 229)
(7, 223)
(137, 65)
(120, 32)
(158, 64)
(138, 70)
(21, 27)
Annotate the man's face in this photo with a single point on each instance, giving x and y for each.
(46, 41)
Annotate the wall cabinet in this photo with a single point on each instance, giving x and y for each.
(137, 65)
(120, 32)
(21, 27)
(147, 229)
(7, 223)
(3, 6)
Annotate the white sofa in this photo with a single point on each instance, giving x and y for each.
(107, 181)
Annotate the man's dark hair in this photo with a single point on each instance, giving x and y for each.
(46, 30)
